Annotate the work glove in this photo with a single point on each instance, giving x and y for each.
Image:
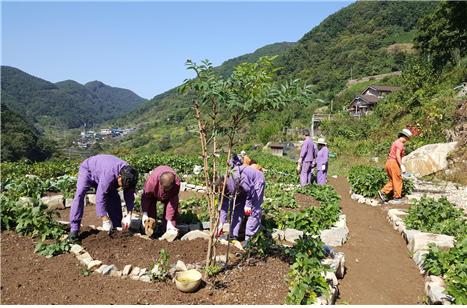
(323, 167)
(403, 170)
(107, 225)
(144, 218)
(170, 226)
(126, 222)
(247, 211)
(220, 230)
(299, 167)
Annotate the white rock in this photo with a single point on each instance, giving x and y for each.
(206, 225)
(76, 249)
(436, 294)
(340, 271)
(361, 199)
(94, 264)
(68, 202)
(182, 186)
(420, 241)
(192, 235)
(180, 266)
(335, 236)
(135, 277)
(135, 271)
(142, 272)
(419, 258)
(169, 235)
(409, 234)
(127, 270)
(428, 159)
(221, 259)
(53, 202)
(436, 280)
(106, 270)
(101, 268)
(355, 196)
(278, 234)
(116, 273)
(373, 202)
(91, 198)
(292, 235)
(84, 258)
(331, 278)
(145, 278)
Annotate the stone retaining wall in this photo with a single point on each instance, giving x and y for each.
(417, 244)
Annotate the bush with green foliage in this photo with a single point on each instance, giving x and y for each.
(32, 219)
(367, 181)
(306, 282)
(452, 266)
(436, 216)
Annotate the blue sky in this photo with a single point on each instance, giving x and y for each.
(143, 46)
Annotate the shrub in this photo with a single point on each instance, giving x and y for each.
(437, 216)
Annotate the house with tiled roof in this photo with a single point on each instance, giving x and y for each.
(362, 104)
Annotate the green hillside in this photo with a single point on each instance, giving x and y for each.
(65, 104)
(21, 140)
(356, 37)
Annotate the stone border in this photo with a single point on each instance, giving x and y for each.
(335, 236)
(364, 200)
(336, 262)
(417, 244)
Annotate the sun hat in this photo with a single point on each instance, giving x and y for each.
(321, 141)
(406, 132)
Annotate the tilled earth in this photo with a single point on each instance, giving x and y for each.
(28, 278)
(122, 248)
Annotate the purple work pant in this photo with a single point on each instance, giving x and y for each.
(253, 223)
(237, 215)
(306, 173)
(113, 205)
(321, 177)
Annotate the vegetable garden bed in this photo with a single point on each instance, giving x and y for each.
(435, 232)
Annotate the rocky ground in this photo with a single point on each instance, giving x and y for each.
(454, 192)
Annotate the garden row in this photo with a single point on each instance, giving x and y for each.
(366, 181)
(436, 235)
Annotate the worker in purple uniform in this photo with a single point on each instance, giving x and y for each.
(322, 162)
(307, 160)
(106, 173)
(249, 184)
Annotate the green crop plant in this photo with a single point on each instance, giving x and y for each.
(451, 265)
(367, 181)
(436, 216)
(159, 269)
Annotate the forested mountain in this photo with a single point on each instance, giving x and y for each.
(65, 104)
(365, 38)
(21, 140)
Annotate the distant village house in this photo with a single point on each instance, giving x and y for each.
(362, 104)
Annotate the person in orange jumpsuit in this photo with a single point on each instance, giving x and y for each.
(394, 168)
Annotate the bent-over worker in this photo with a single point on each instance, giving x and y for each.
(106, 173)
(162, 185)
(248, 183)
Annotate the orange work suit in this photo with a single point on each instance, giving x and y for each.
(395, 178)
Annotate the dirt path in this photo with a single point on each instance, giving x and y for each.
(379, 269)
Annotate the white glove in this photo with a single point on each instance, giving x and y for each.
(403, 170)
(299, 167)
(126, 222)
(170, 226)
(107, 225)
(145, 217)
(323, 167)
